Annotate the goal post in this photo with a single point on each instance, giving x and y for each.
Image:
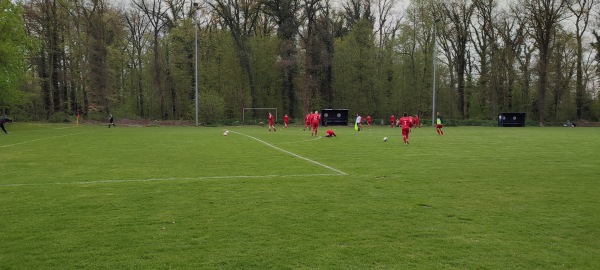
(258, 114)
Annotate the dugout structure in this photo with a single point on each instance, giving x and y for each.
(337, 117)
(512, 119)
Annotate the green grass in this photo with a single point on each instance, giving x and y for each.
(187, 197)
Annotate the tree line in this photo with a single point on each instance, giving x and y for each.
(63, 57)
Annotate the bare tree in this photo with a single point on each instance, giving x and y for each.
(544, 16)
(581, 10)
(241, 17)
(459, 14)
(156, 14)
(355, 10)
(385, 27)
(484, 40)
(138, 28)
(287, 17)
(511, 33)
(308, 36)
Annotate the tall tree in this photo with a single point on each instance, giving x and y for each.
(581, 10)
(241, 18)
(286, 16)
(458, 13)
(98, 53)
(511, 39)
(484, 41)
(354, 69)
(138, 28)
(310, 94)
(544, 16)
(156, 14)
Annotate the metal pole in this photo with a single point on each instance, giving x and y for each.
(434, 57)
(196, 56)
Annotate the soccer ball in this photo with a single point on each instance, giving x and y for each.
(226, 133)
(385, 139)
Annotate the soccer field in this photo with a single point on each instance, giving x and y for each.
(187, 197)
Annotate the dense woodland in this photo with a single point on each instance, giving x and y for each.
(136, 59)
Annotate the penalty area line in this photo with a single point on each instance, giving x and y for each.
(108, 181)
(1, 146)
(293, 154)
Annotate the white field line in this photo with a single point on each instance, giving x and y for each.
(295, 155)
(168, 179)
(55, 128)
(40, 130)
(46, 138)
(318, 138)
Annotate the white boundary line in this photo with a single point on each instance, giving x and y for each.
(1, 146)
(49, 129)
(167, 179)
(295, 155)
(301, 141)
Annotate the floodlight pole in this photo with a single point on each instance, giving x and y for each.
(434, 57)
(195, 6)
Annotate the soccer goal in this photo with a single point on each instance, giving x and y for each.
(255, 115)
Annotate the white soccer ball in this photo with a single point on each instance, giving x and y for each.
(385, 139)
(225, 133)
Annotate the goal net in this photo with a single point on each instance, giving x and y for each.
(257, 115)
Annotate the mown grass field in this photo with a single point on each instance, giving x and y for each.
(190, 198)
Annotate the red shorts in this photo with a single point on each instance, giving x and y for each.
(438, 126)
(315, 124)
(271, 123)
(405, 131)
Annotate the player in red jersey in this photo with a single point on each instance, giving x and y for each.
(369, 120)
(417, 121)
(330, 133)
(271, 122)
(392, 120)
(307, 121)
(315, 118)
(412, 121)
(286, 120)
(406, 125)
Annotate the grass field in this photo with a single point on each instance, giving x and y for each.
(186, 197)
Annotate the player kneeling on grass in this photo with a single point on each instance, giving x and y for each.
(330, 133)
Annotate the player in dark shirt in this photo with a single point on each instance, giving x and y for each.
(111, 121)
(5, 120)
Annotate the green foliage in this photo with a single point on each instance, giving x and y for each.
(14, 44)
(267, 80)
(354, 70)
(211, 107)
(475, 198)
(220, 72)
